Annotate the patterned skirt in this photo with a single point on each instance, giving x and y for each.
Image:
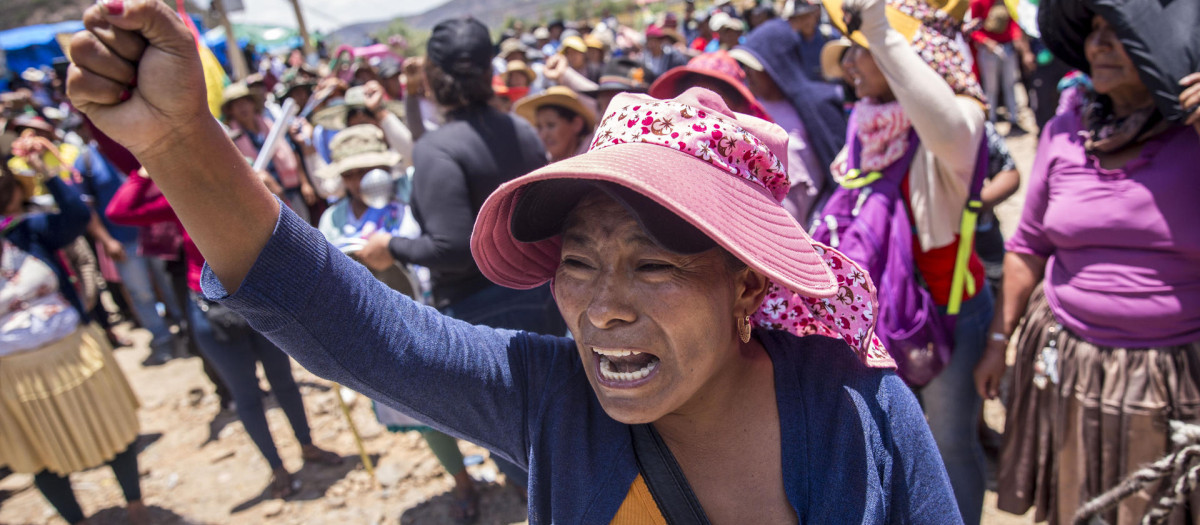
(65, 407)
(1081, 417)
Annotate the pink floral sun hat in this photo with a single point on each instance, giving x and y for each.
(719, 171)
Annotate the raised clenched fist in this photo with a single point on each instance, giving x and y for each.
(137, 75)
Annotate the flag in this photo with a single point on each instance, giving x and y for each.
(214, 75)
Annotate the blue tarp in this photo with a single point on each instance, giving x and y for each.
(35, 46)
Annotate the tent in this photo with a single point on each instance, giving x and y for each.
(35, 46)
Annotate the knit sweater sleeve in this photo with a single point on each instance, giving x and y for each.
(920, 488)
(949, 126)
(339, 322)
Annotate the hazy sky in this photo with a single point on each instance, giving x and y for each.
(329, 14)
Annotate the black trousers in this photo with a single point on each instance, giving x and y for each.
(57, 489)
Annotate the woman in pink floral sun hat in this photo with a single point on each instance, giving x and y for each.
(723, 367)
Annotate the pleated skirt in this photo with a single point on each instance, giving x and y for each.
(65, 407)
(1082, 417)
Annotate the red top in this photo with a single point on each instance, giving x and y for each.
(937, 265)
(979, 11)
(139, 203)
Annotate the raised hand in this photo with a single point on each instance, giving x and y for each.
(1190, 99)
(136, 74)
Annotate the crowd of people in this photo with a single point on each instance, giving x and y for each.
(698, 263)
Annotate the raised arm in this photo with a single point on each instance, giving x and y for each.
(164, 121)
(339, 322)
(950, 126)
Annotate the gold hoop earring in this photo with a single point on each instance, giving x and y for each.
(743, 326)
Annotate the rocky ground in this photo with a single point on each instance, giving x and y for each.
(199, 466)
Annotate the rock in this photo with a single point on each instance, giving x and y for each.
(224, 456)
(389, 474)
(335, 502)
(273, 508)
(172, 480)
(228, 431)
(195, 396)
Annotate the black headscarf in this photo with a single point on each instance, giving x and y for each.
(1160, 36)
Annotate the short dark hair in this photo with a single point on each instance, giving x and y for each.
(455, 91)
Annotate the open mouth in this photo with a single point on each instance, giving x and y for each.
(624, 368)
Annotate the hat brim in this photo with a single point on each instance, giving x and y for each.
(737, 214)
(366, 160)
(831, 58)
(528, 107)
(667, 86)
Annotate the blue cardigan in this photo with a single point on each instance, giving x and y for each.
(42, 234)
(856, 448)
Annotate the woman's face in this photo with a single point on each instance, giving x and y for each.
(654, 329)
(559, 135)
(1112, 70)
(576, 59)
(242, 111)
(517, 79)
(865, 76)
(352, 181)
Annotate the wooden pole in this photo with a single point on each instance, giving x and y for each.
(305, 42)
(236, 59)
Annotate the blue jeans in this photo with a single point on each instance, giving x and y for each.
(499, 307)
(952, 407)
(236, 362)
(136, 272)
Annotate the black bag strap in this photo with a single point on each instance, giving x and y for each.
(664, 478)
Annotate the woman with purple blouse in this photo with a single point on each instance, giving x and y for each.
(1103, 277)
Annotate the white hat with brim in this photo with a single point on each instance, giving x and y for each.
(358, 147)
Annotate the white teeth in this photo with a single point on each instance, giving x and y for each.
(615, 353)
(607, 371)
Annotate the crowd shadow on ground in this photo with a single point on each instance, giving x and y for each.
(314, 480)
(498, 505)
(159, 516)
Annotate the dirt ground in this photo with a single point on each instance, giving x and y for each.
(200, 467)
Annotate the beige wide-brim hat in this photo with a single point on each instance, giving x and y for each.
(831, 58)
(357, 147)
(528, 107)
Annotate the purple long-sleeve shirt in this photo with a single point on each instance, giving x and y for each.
(1123, 246)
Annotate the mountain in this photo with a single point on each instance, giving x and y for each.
(491, 12)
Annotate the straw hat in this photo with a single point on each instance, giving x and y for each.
(518, 66)
(933, 27)
(831, 58)
(593, 42)
(355, 147)
(334, 117)
(562, 96)
(572, 42)
(232, 92)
